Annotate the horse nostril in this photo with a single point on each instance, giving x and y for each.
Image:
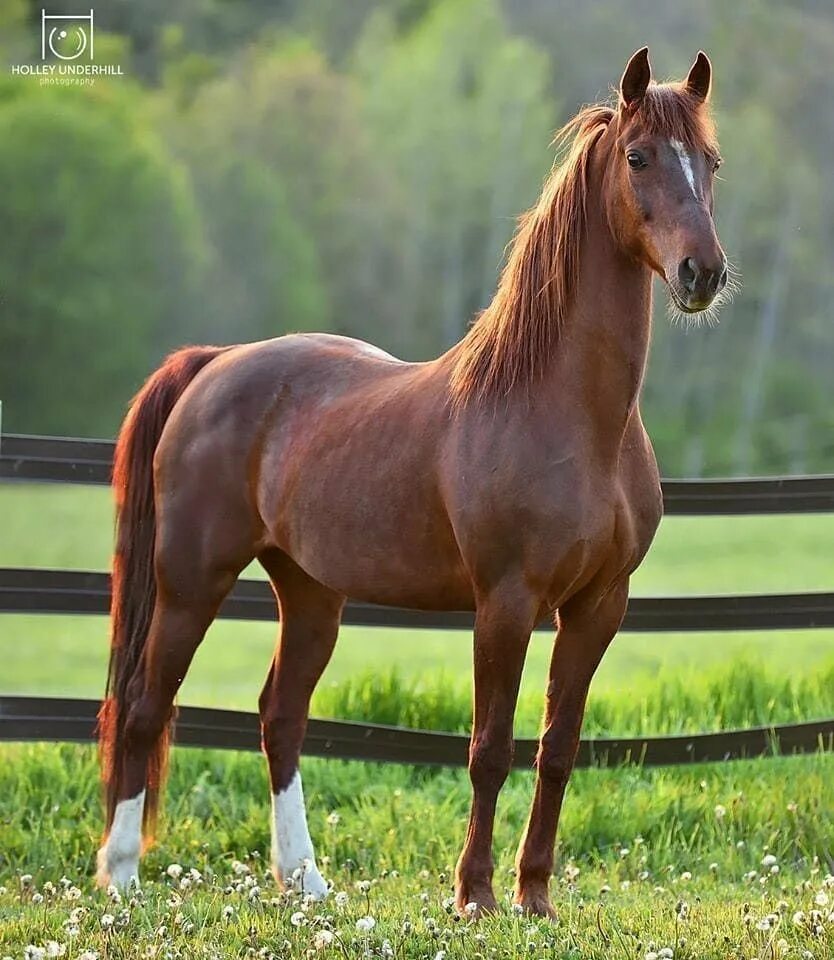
(688, 274)
(722, 280)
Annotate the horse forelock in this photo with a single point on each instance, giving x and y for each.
(669, 110)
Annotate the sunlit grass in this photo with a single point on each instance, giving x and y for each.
(708, 861)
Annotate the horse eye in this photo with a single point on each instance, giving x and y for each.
(716, 163)
(635, 160)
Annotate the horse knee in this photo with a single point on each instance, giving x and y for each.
(490, 762)
(554, 766)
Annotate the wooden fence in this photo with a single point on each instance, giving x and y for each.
(61, 460)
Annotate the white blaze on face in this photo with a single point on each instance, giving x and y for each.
(293, 859)
(686, 164)
(118, 859)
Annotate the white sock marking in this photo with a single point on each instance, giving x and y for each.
(293, 858)
(118, 859)
(686, 164)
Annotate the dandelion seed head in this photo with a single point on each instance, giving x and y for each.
(323, 938)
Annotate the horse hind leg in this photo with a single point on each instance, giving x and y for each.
(188, 594)
(310, 617)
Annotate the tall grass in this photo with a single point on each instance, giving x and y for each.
(742, 693)
(643, 840)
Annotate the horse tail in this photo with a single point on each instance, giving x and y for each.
(133, 594)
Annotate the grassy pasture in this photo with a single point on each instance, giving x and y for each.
(717, 861)
(729, 861)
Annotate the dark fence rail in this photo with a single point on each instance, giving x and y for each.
(35, 718)
(60, 591)
(65, 460)
(71, 591)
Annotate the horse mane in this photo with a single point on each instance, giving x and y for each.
(511, 340)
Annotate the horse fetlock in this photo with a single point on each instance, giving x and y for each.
(118, 859)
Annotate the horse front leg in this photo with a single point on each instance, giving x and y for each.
(587, 624)
(503, 623)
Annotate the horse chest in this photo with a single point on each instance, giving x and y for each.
(601, 523)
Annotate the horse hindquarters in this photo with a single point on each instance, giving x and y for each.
(163, 601)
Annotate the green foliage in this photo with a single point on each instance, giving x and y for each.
(266, 273)
(101, 252)
(460, 115)
(280, 156)
(359, 168)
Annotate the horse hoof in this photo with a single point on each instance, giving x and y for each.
(117, 871)
(475, 902)
(306, 880)
(312, 885)
(536, 903)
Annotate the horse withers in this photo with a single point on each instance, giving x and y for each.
(511, 476)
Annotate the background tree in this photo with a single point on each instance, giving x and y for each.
(360, 167)
(101, 254)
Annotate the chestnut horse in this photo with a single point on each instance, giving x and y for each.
(511, 476)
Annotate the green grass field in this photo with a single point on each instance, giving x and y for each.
(716, 861)
(727, 860)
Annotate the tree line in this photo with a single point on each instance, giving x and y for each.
(263, 168)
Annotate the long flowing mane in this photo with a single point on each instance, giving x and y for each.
(512, 339)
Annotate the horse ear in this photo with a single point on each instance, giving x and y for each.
(636, 79)
(700, 76)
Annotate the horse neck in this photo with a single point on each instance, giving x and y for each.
(605, 342)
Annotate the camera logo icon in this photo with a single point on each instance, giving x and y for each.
(66, 37)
